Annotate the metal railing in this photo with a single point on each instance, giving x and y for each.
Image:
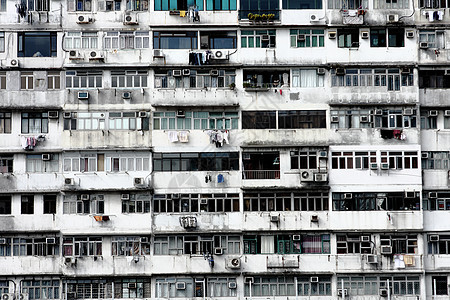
(261, 174)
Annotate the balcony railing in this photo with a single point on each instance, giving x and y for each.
(261, 174)
(244, 15)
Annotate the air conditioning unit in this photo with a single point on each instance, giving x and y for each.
(218, 54)
(144, 239)
(433, 238)
(204, 201)
(409, 194)
(334, 119)
(142, 114)
(50, 241)
(175, 196)
(409, 34)
(234, 263)
(84, 19)
(2, 241)
(248, 279)
(314, 218)
(378, 112)
(348, 196)
(75, 55)
(67, 115)
(447, 113)
(232, 285)
(132, 285)
(392, 18)
(321, 177)
(386, 250)
(353, 239)
(53, 114)
(313, 18)
(322, 154)
(406, 70)
(85, 197)
(296, 237)
(331, 35)
(384, 166)
(23, 296)
(139, 181)
(383, 292)
(157, 53)
(186, 72)
(9, 296)
(275, 218)
(364, 34)
(301, 37)
(342, 292)
(125, 197)
(372, 259)
(181, 114)
(423, 45)
(130, 19)
(424, 155)
(69, 181)
(46, 156)
(432, 195)
(364, 238)
(180, 285)
(265, 37)
(214, 72)
(364, 119)
(12, 63)
(433, 113)
(96, 55)
(314, 279)
(408, 111)
(83, 95)
(218, 251)
(177, 73)
(306, 176)
(70, 260)
(374, 166)
(321, 71)
(126, 95)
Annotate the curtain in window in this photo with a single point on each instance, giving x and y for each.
(267, 244)
(312, 244)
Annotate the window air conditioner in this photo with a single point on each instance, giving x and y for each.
(83, 95)
(218, 54)
(204, 201)
(320, 71)
(125, 197)
(248, 279)
(67, 115)
(364, 119)
(342, 292)
(234, 263)
(410, 34)
(373, 166)
(314, 279)
(85, 197)
(75, 55)
(408, 111)
(410, 194)
(364, 238)
(46, 156)
(130, 19)
(447, 113)
(126, 95)
(218, 251)
(186, 72)
(320, 177)
(314, 218)
(406, 70)
(232, 285)
(433, 113)
(214, 72)
(423, 45)
(144, 239)
(142, 114)
(433, 238)
(313, 18)
(177, 73)
(53, 114)
(180, 285)
(306, 176)
(275, 218)
(157, 53)
(372, 259)
(132, 285)
(386, 250)
(364, 34)
(50, 241)
(84, 19)
(334, 119)
(2, 241)
(175, 196)
(392, 18)
(331, 35)
(296, 237)
(432, 195)
(348, 196)
(424, 155)
(265, 37)
(378, 112)
(322, 153)
(383, 292)
(139, 181)
(301, 37)
(181, 114)
(70, 260)
(384, 166)
(69, 181)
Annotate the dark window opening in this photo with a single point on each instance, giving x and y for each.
(348, 38)
(49, 204)
(27, 205)
(175, 40)
(5, 205)
(218, 40)
(433, 79)
(37, 44)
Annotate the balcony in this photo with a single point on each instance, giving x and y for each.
(353, 16)
(261, 174)
(260, 16)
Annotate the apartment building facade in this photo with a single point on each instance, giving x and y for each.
(224, 149)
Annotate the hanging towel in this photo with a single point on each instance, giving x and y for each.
(184, 136)
(173, 136)
(409, 260)
(182, 13)
(399, 263)
(440, 15)
(225, 137)
(220, 178)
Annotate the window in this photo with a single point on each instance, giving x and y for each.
(218, 40)
(259, 120)
(175, 203)
(53, 80)
(261, 164)
(440, 201)
(175, 40)
(432, 4)
(166, 288)
(84, 162)
(93, 288)
(302, 4)
(5, 250)
(83, 79)
(79, 5)
(391, 4)
(439, 285)
(35, 122)
(286, 201)
(27, 205)
(307, 38)
(49, 204)
(178, 245)
(352, 160)
(258, 38)
(129, 79)
(5, 206)
(124, 162)
(206, 161)
(113, 5)
(26, 80)
(427, 120)
(371, 284)
(219, 287)
(400, 159)
(306, 78)
(41, 289)
(435, 160)
(130, 246)
(221, 5)
(38, 5)
(100, 121)
(35, 163)
(433, 38)
(439, 246)
(270, 286)
(348, 38)
(196, 79)
(178, 5)
(84, 204)
(401, 244)
(81, 40)
(28, 246)
(396, 37)
(374, 118)
(5, 122)
(3, 5)
(82, 246)
(285, 244)
(305, 286)
(2, 80)
(258, 7)
(353, 243)
(2, 39)
(123, 288)
(304, 159)
(375, 201)
(195, 120)
(6, 163)
(378, 38)
(348, 4)
(127, 40)
(138, 203)
(298, 119)
(137, 5)
(37, 44)
(433, 79)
